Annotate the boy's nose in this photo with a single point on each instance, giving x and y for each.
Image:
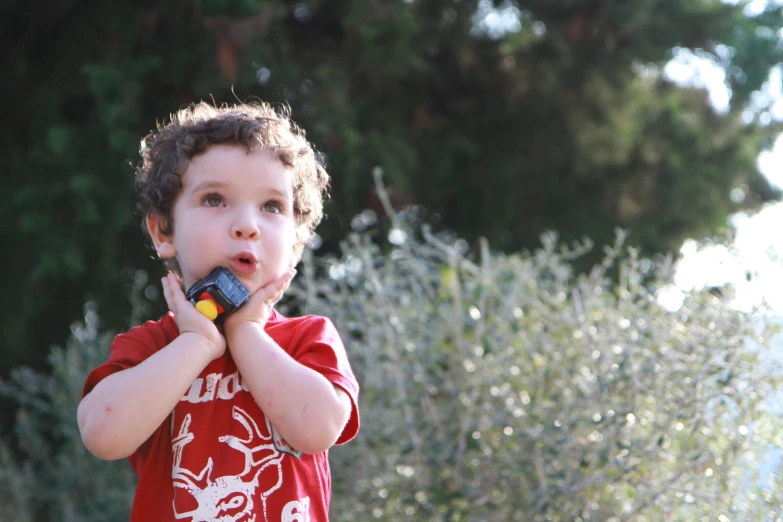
(244, 227)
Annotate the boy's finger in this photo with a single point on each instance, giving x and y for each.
(284, 280)
(174, 295)
(174, 283)
(280, 293)
(279, 286)
(267, 292)
(262, 298)
(167, 293)
(176, 290)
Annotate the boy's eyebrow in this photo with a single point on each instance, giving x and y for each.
(279, 193)
(208, 185)
(214, 184)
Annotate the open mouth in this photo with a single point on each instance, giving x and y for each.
(245, 257)
(244, 263)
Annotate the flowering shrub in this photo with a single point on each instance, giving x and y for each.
(56, 479)
(514, 389)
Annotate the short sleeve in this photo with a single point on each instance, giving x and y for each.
(131, 348)
(317, 345)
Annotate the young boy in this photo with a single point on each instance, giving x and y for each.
(229, 422)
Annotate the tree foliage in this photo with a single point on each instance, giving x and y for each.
(506, 134)
(511, 388)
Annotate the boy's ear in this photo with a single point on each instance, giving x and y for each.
(164, 243)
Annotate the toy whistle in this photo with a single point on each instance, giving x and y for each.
(218, 294)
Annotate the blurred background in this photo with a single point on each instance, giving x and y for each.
(501, 120)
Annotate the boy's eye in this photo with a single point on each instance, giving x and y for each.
(272, 206)
(212, 200)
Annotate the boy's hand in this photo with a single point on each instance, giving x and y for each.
(257, 309)
(189, 320)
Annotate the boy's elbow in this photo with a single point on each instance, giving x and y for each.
(101, 449)
(314, 445)
(317, 442)
(102, 446)
(323, 437)
(97, 436)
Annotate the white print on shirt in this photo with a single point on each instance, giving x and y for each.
(226, 388)
(229, 498)
(297, 511)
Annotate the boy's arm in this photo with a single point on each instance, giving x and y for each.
(125, 408)
(307, 410)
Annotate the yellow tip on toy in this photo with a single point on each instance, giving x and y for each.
(208, 309)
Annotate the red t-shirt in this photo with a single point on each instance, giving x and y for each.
(217, 457)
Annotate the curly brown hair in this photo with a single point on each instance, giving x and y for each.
(166, 155)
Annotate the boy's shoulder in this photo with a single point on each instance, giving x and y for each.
(157, 333)
(132, 347)
(277, 318)
(299, 322)
(302, 330)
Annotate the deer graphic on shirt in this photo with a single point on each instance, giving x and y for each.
(228, 498)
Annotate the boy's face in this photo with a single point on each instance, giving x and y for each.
(235, 209)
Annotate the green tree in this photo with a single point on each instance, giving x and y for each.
(548, 126)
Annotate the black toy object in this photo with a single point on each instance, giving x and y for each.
(218, 294)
